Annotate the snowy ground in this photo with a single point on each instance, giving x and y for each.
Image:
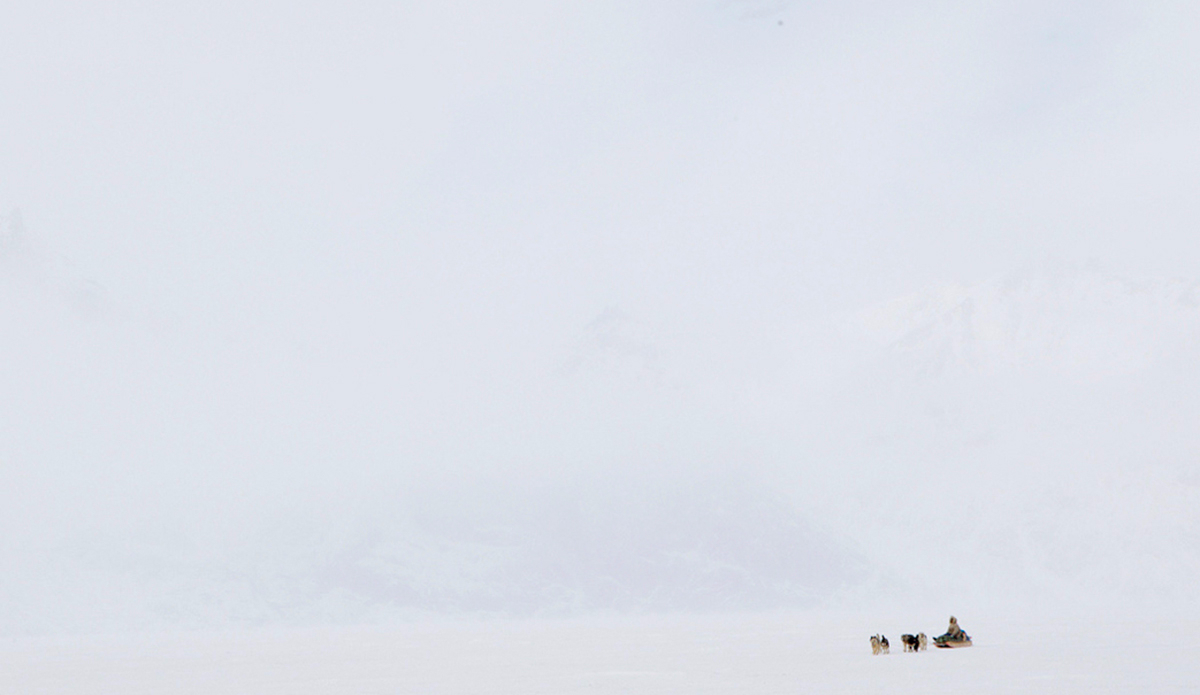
(751, 654)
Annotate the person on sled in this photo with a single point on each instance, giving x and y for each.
(954, 634)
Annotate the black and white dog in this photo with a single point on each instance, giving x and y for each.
(913, 643)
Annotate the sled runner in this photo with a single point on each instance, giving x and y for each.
(944, 643)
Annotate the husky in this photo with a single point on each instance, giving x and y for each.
(879, 644)
(922, 641)
(910, 642)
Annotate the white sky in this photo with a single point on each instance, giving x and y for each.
(334, 254)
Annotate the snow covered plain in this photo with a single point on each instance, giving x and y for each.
(777, 653)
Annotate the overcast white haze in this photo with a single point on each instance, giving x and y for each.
(370, 313)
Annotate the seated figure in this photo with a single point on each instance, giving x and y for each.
(954, 635)
(954, 631)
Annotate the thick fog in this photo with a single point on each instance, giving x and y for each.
(340, 312)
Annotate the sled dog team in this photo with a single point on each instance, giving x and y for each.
(954, 637)
(912, 643)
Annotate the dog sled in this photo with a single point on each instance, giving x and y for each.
(954, 637)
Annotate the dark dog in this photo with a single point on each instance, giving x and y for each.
(911, 643)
